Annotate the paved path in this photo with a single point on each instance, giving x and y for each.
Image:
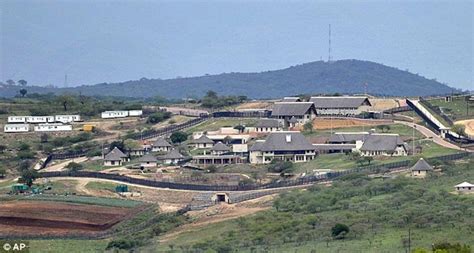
(429, 134)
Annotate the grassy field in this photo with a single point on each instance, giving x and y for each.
(400, 129)
(72, 246)
(101, 186)
(215, 124)
(456, 109)
(77, 199)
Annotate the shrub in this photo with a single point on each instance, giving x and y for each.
(339, 231)
(158, 117)
(277, 166)
(178, 137)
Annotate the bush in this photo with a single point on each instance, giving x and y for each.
(178, 137)
(123, 244)
(158, 117)
(277, 166)
(339, 231)
(72, 166)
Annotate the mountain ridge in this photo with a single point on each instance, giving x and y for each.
(343, 76)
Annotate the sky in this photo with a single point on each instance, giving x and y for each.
(113, 41)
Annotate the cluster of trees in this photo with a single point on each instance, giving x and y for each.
(158, 117)
(212, 100)
(282, 167)
(20, 82)
(360, 160)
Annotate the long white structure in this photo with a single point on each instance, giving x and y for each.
(56, 127)
(16, 128)
(67, 118)
(44, 119)
(17, 119)
(135, 113)
(114, 114)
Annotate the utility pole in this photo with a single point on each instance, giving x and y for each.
(409, 240)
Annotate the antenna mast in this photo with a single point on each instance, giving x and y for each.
(329, 55)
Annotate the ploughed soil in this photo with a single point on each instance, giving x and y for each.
(45, 218)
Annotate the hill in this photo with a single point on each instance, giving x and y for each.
(344, 76)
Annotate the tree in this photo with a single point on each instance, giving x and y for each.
(22, 82)
(2, 148)
(278, 166)
(73, 167)
(23, 92)
(117, 144)
(28, 176)
(178, 137)
(459, 129)
(240, 128)
(24, 147)
(308, 127)
(383, 128)
(451, 248)
(44, 138)
(65, 100)
(131, 144)
(158, 117)
(339, 231)
(10, 82)
(368, 159)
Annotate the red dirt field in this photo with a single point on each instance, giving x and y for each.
(44, 218)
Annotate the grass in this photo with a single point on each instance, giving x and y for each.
(216, 124)
(101, 186)
(71, 246)
(77, 199)
(456, 109)
(402, 130)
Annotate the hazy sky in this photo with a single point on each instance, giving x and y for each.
(112, 41)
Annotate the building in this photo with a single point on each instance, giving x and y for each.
(340, 106)
(172, 157)
(148, 161)
(67, 118)
(383, 145)
(292, 114)
(465, 187)
(420, 169)
(347, 137)
(334, 148)
(135, 113)
(220, 149)
(291, 99)
(115, 158)
(285, 146)
(136, 152)
(114, 114)
(202, 142)
(40, 119)
(217, 159)
(55, 127)
(268, 125)
(16, 128)
(17, 119)
(161, 145)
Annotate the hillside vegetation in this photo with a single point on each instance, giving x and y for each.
(377, 213)
(344, 76)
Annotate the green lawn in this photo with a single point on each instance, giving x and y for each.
(76, 199)
(101, 186)
(402, 130)
(456, 109)
(215, 124)
(71, 246)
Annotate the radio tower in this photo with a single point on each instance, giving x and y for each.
(329, 54)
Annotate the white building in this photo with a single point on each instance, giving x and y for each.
(465, 187)
(56, 127)
(135, 113)
(17, 119)
(67, 118)
(114, 114)
(40, 119)
(16, 128)
(340, 106)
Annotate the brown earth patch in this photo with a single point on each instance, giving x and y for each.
(45, 218)
(326, 123)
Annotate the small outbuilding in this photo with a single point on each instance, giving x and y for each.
(465, 187)
(421, 168)
(161, 145)
(148, 161)
(115, 158)
(202, 142)
(173, 157)
(220, 149)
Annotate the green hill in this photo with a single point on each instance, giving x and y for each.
(344, 76)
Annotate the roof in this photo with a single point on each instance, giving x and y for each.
(173, 154)
(161, 142)
(348, 137)
(381, 142)
(464, 184)
(339, 102)
(421, 165)
(220, 147)
(268, 123)
(202, 139)
(17, 125)
(148, 158)
(291, 99)
(291, 108)
(283, 141)
(115, 155)
(334, 146)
